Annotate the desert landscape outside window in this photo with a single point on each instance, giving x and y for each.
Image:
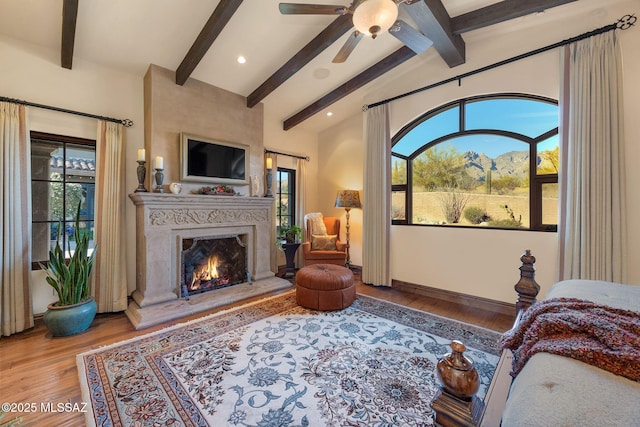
(489, 161)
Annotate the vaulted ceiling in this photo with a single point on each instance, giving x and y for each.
(288, 66)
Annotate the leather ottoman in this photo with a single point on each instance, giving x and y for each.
(325, 287)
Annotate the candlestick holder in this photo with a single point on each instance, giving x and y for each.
(269, 180)
(142, 173)
(159, 179)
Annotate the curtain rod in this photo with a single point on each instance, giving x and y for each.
(623, 23)
(125, 122)
(287, 154)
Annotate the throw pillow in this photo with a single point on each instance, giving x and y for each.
(323, 243)
(317, 224)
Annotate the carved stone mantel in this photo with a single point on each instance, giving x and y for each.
(163, 220)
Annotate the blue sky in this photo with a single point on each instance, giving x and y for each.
(524, 116)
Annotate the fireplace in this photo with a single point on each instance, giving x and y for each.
(170, 226)
(210, 263)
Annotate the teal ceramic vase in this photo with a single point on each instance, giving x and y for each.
(70, 319)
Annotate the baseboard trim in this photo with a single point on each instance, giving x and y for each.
(459, 298)
(357, 270)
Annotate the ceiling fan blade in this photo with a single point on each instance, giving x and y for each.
(348, 47)
(312, 9)
(412, 38)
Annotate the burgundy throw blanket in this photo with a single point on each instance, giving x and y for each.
(602, 336)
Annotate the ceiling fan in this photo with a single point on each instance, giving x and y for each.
(370, 17)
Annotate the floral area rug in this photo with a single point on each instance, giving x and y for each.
(273, 363)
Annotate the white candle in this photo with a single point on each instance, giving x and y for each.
(159, 163)
(141, 155)
(269, 162)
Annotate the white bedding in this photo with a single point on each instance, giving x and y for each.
(557, 391)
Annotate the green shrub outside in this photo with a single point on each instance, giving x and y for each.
(505, 223)
(476, 215)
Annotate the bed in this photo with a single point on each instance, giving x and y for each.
(560, 390)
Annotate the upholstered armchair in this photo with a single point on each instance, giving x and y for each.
(323, 248)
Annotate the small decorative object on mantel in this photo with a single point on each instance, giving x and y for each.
(142, 171)
(269, 177)
(175, 187)
(217, 190)
(159, 174)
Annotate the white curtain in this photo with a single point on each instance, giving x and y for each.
(110, 280)
(301, 203)
(16, 312)
(592, 212)
(377, 197)
(275, 253)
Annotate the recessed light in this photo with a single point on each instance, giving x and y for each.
(329, 114)
(241, 59)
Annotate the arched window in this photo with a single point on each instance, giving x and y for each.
(488, 161)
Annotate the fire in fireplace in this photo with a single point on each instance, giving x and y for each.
(212, 263)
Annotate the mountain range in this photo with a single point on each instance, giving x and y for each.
(512, 163)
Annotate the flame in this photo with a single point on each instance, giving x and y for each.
(206, 274)
(212, 268)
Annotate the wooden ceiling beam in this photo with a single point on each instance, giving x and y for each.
(396, 58)
(500, 12)
(326, 38)
(69, 19)
(210, 32)
(433, 21)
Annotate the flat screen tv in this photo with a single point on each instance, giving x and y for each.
(210, 161)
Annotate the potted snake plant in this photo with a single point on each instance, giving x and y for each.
(75, 309)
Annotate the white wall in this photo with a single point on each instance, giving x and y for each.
(341, 149)
(480, 262)
(296, 142)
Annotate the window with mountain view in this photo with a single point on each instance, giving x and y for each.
(488, 161)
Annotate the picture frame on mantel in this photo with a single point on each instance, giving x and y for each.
(212, 161)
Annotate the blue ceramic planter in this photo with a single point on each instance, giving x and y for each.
(70, 319)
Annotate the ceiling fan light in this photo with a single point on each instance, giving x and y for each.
(374, 16)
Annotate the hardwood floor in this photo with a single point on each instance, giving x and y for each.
(37, 370)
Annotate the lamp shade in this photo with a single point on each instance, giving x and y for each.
(348, 199)
(373, 16)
